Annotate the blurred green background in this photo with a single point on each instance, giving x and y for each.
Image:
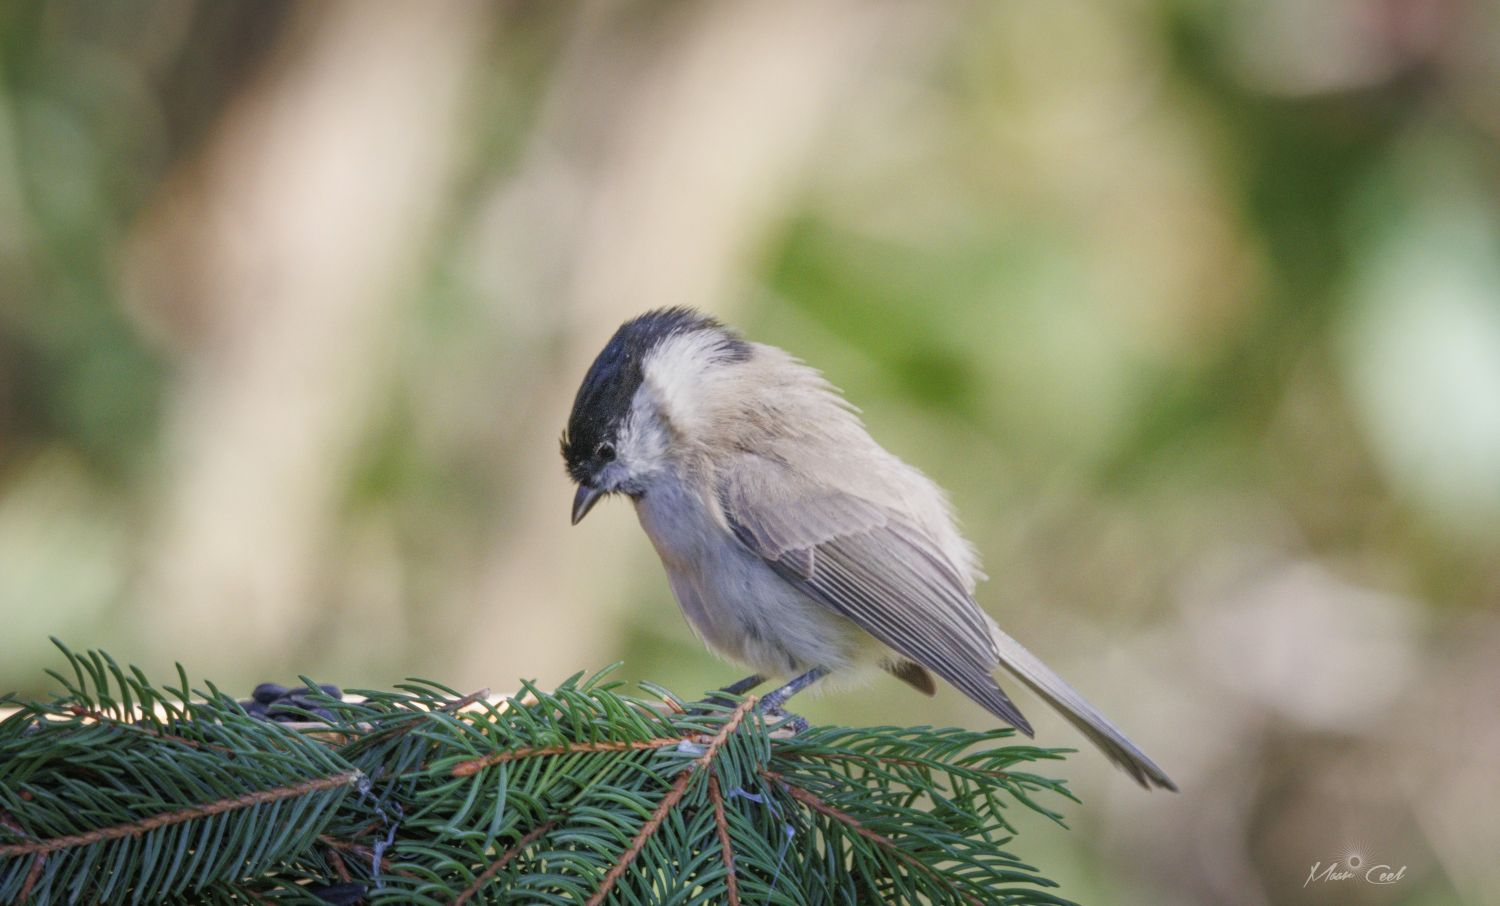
(1194, 307)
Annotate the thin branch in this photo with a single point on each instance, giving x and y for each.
(337, 861)
(166, 819)
(11, 824)
(726, 848)
(475, 765)
(369, 828)
(499, 864)
(159, 733)
(458, 704)
(323, 730)
(669, 802)
(872, 762)
(862, 757)
(359, 849)
(811, 800)
(730, 725)
(37, 861)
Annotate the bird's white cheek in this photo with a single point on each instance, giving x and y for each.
(643, 453)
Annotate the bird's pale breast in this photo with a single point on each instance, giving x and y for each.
(734, 601)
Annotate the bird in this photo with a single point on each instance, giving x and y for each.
(793, 542)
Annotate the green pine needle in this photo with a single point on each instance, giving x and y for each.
(122, 792)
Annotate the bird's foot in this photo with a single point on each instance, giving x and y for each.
(781, 720)
(721, 698)
(777, 698)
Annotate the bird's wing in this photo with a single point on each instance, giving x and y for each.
(868, 563)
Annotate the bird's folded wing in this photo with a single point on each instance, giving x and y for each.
(873, 566)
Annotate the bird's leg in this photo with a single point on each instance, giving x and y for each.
(739, 687)
(745, 685)
(776, 699)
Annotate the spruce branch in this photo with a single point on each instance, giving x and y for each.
(670, 801)
(177, 816)
(726, 847)
(122, 791)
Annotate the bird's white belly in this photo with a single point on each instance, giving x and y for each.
(736, 603)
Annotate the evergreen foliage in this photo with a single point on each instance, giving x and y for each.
(120, 792)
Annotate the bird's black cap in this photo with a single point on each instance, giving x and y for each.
(605, 394)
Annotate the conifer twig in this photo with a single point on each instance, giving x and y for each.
(726, 848)
(499, 864)
(669, 802)
(178, 816)
(98, 716)
(475, 765)
(814, 802)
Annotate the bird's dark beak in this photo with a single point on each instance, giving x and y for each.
(584, 501)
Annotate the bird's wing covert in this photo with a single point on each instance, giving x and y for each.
(870, 564)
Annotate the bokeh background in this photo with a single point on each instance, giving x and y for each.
(1193, 306)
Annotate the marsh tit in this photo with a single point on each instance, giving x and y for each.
(794, 542)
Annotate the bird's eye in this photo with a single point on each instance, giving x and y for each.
(605, 451)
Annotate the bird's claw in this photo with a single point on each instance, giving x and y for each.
(781, 720)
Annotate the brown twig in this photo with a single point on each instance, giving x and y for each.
(159, 733)
(166, 819)
(863, 758)
(37, 861)
(669, 802)
(358, 849)
(475, 765)
(450, 707)
(726, 848)
(337, 861)
(499, 864)
(369, 827)
(256, 897)
(458, 704)
(11, 824)
(812, 801)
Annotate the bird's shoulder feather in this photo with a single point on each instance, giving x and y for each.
(871, 563)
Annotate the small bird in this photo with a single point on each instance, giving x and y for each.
(793, 542)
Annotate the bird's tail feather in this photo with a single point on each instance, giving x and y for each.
(1041, 680)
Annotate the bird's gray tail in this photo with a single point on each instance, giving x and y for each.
(1041, 680)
